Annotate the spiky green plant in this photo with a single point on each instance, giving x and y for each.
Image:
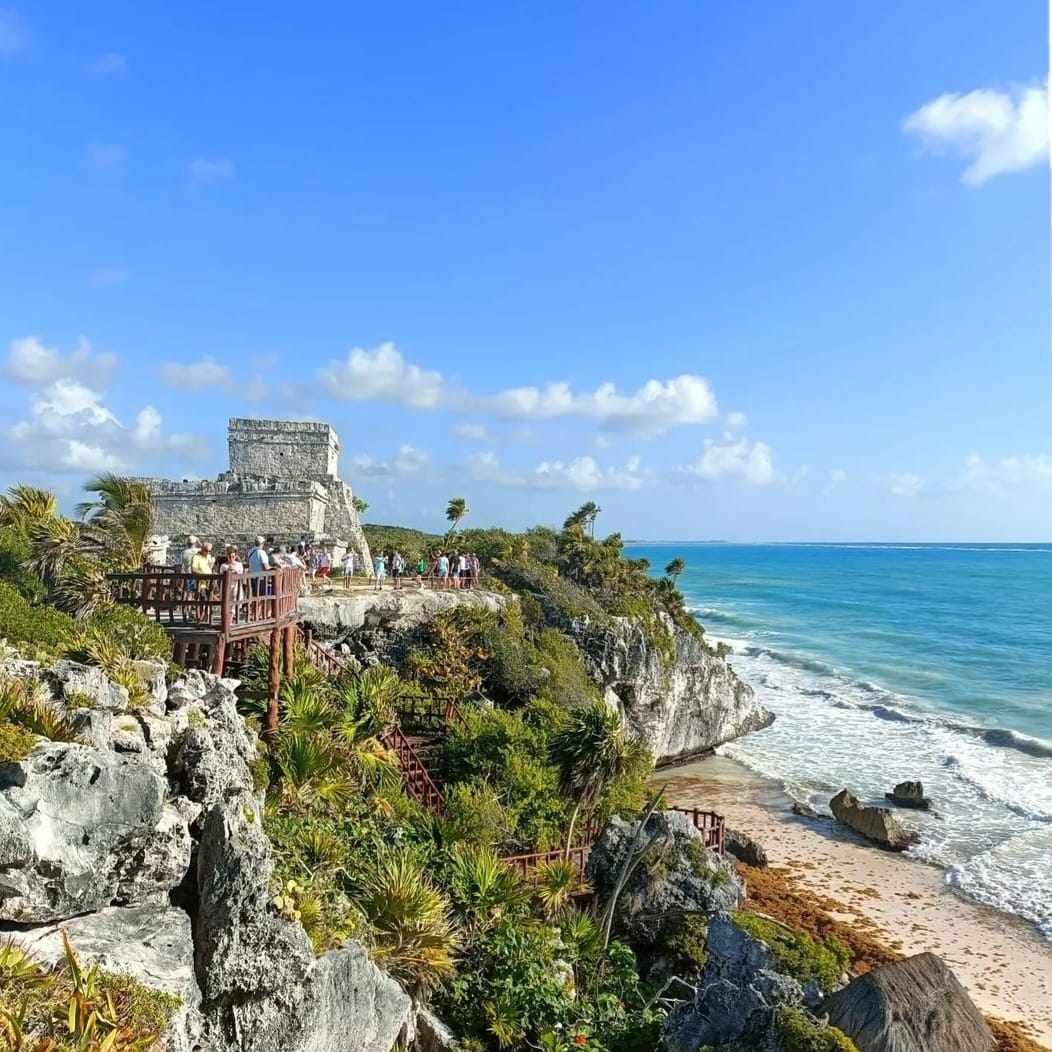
(372, 698)
(482, 887)
(412, 935)
(120, 518)
(24, 703)
(23, 506)
(555, 884)
(305, 708)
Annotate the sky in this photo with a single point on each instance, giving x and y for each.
(751, 271)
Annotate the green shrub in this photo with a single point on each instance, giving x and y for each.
(805, 958)
(475, 815)
(14, 551)
(684, 943)
(802, 1034)
(38, 630)
(141, 638)
(16, 742)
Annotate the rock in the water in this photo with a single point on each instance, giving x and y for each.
(679, 704)
(678, 875)
(152, 944)
(735, 1000)
(909, 794)
(805, 810)
(744, 848)
(915, 1005)
(874, 823)
(71, 818)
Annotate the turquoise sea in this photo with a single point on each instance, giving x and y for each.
(886, 662)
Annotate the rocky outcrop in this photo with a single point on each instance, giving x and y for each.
(874, 823)
(681, 703)
(153, 944)
(744, 848)
(678, 875)
(915, 1005)
(735, 1002)
(909, 794)
(106, 840)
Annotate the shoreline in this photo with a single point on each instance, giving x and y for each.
(1002, 961)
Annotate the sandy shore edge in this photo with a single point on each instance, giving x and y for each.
(1005, 965)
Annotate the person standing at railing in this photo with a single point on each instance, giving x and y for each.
(380, 571)
(442, 570)
(348, 564)
(421, 571)
(186, 564)
(202, 566)
(234, 568)
(397, 568)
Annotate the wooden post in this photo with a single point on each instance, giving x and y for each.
(270, 727)
(290, 650)
(218, 655)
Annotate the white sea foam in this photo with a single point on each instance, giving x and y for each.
(992, 788)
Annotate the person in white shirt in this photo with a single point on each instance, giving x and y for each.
(187, 560)
(258, 561)
(348, 565)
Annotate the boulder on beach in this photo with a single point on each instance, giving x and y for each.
(744, 848)
(909, 794)
(874, 823)
(915, 1005)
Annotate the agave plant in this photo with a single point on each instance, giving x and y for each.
(412, 935)
(25, 703)
(483, 887)
(372, 698)
(312, 770)
(555, 884)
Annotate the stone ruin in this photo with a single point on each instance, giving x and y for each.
(283, 482)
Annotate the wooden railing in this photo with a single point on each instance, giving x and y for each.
(229, 603)
(426, 714)
(331, 663)
(418, 781)
(526, 864)
(708, 823)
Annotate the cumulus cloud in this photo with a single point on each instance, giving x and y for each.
(109, 64)
(652, 409)
(732, 458)
(1027, 470)
(211, 170)
(196, 376)
(408, 461)
(13, 34)
(835, 478)
(30, 363)
(995, 131)
(905, 484)
(383, 375)
(583, 474)
(737, 421)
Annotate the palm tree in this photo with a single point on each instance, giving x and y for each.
(584, 516)
(591, 752)
(456, 509)
(120, 519)
(26, 506)
(675, 568)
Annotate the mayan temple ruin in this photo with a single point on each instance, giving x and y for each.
(283, 482)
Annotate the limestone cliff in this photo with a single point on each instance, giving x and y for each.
(681, 703)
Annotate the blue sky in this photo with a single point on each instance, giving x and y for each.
(749, 271)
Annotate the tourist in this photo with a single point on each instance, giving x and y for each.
(463, 572)
(421, 570)
(234, 568)
(348, 564)
(324, 563)
(189, 552)
(380, 571)
(442, 570)
(476, 569)
(397, 568)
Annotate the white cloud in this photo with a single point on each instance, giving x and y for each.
(382, 375)
(905, 484)
(996, 131)
(211, 170)
(836, 477)
(108, 64)
(106, 156)
(196, 376)
(732, 457)
(31, 363)
(737, 421)
(474, 432)
(82, 456)
(13, 34)
(1021, 471)
(584, 474)
(652, 409)
(408, 461)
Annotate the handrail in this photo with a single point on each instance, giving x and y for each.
(419, 783)
(224, 601)
(711, 825)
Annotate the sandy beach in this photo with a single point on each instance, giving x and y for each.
(1004, 964)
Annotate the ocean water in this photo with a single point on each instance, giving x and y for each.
(891, 662)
